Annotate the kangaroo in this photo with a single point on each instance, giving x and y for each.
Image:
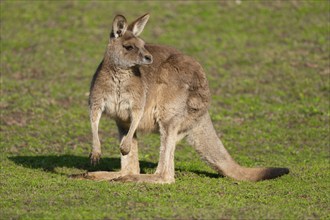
(154, 88)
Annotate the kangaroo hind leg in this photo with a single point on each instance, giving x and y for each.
(165, 169)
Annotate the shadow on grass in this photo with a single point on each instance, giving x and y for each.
(200, 173)
(51, 162)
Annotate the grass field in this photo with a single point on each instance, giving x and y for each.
(268, 67)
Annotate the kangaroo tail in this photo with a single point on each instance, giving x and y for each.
(205, 140)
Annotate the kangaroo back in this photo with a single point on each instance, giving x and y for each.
(204, 138)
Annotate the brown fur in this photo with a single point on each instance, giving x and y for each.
(152, 88)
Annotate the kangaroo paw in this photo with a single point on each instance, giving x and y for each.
(125, 146)
(95, 157)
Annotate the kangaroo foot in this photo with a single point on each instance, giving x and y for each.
(145, 178)
(97, 176)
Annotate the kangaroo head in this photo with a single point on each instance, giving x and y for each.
(125, 48)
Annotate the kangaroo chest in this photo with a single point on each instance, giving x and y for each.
(123, 94)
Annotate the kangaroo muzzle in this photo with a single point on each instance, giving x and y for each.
(148, 59)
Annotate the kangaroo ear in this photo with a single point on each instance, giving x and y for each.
(119, 26)
(137, 26)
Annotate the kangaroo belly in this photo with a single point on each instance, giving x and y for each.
(118, 108)
(148, 122)
(121, 109)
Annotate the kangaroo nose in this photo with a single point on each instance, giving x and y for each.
(148, 58)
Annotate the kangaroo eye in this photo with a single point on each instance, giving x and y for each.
(128, 47)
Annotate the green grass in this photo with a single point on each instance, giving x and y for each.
(268, 67)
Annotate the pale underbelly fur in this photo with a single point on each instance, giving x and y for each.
(120, 110)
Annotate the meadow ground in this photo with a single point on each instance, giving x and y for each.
(268, 67)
